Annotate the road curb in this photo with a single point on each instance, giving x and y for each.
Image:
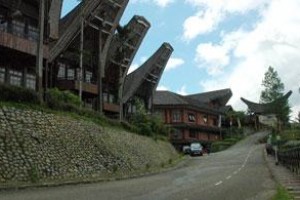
(17, 186)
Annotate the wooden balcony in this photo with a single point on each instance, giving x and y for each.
(111, 107)
(74, 85)
(20, 44)
(87, 89)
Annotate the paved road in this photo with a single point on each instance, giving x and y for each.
(238, 173)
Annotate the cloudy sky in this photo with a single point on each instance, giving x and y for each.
(222, 44)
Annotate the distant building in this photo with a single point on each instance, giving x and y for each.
(192, 118)
(265, 113)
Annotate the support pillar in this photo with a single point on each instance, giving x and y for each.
(100, 75)
(40, 50)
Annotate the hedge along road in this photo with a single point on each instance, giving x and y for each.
(237, 173)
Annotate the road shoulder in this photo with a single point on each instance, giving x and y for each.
(283, 176)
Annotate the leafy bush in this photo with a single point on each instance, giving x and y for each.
(146, 124)
(17, 94)
(293, 144)
(220, 146)
(282, 194)
(65, 100)
(226, 143)
(291, 135)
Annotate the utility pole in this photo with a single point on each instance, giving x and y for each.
(40, 51)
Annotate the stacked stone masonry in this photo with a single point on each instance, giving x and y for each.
(40, 146)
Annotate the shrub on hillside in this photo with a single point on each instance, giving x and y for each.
(146, 124)
(62, 99)
(226, 143)
(220, 146)
(17, 94)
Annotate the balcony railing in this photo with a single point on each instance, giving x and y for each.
(19, 29)
(69, 84)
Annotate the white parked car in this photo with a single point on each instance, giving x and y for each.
(196, 149)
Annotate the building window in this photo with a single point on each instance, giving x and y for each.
(61, 71)
(18, 28)
(176, 115)
(215, 122)
(2, 74)
(111, 98)
(30, 81)
(131, 108)
(3, 24)
(15, 77)
(105, 97)
(205, 119)
(191, 117)
(33, 33)
(71, 74)
(193, 134)
(88, 76)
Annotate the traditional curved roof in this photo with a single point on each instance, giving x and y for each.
(167, 98)
(265, 108)
(222, 96)
(105, 12)
(143, 81)
(226, 109)
(124, 46)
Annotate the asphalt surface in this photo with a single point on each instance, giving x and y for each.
(237, 173)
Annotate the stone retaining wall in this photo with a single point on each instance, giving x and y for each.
(37, 146)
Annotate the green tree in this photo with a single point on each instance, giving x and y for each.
(273, 89)
(238, 116)
(146, 124)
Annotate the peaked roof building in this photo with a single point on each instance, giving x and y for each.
(266, 113)
(167, 98)
(101, 15)
(218, 96)
(143, 81)
(265, 108)
(87, 52)
(193, 118)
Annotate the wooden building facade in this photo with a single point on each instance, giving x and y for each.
(192, 118)
(87, 51)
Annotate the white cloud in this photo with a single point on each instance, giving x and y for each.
(215, 57)
(174, 63)
(211, 12)
(132, 68)
(274, 41)
(212, 57)
(182, 90)
(162, 88)
(160, 3)
(200, 23)
(163, 3)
